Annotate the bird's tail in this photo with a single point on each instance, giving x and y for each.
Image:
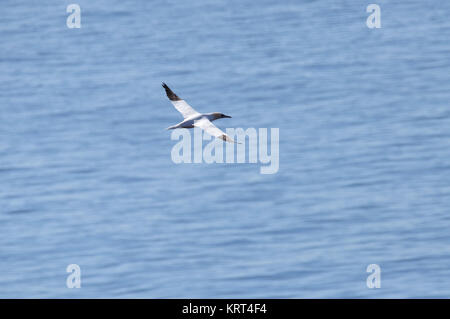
(171, 127)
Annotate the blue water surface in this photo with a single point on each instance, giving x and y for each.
(86, 175)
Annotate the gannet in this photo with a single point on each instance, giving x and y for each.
(192, 118)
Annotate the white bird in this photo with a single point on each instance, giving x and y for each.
(192, 118)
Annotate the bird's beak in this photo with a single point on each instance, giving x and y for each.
(226, 116)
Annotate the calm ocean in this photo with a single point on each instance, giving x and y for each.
(86, 175)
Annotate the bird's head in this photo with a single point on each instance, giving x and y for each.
(221, 116)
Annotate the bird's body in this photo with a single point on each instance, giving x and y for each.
(190, 121)
(192, 118)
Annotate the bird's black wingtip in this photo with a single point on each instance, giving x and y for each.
(172, 96)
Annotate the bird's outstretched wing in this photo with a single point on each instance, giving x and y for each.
(211, 129)
(185, 109)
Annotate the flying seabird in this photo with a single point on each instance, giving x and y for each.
(192, 118)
